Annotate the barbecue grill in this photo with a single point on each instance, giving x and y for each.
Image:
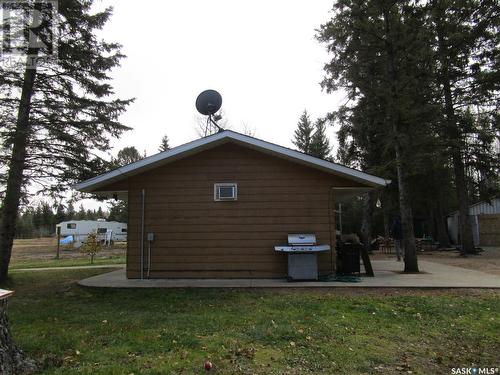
(302, 256)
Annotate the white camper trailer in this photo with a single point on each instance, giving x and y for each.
(80, 229)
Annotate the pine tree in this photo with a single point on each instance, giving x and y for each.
(70, 211)
(25, 224)
(91, 215)
(100, 213)
(127, 155)
(320, 145)
(422, 82)
(37, 219)
(60, 214)
(118, 212)
(47, 227)
(81, 214)
(467, 43)
(164, 145)
(119, 209)
(381, 62)
(303, 133)
(57, 114)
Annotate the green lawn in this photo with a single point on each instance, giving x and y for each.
(76, 330)
(67, 262)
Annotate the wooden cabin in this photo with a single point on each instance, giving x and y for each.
(217, 206)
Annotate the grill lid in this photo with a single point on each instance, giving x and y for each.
(301, 239)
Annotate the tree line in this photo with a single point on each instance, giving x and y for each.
(58, 109)
(40, 220)
(422, 80)
(311, 138)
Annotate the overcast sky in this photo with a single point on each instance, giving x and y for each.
(261, 56)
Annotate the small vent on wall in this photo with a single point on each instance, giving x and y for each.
(225, 192)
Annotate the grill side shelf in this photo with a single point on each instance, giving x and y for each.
(302, 249)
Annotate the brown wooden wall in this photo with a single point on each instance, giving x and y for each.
(197, 237)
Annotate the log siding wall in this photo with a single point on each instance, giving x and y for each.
(196, 237)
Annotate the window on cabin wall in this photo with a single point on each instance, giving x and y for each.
(225, 192)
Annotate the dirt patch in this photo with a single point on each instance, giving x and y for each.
(45, 249)
(487, 260)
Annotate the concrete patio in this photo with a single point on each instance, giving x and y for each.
(388, 274)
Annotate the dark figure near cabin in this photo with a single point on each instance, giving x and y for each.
(397, 235)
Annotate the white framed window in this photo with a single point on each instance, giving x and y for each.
(71, 226)
(225, 192)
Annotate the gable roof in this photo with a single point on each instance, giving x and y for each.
(187, 149)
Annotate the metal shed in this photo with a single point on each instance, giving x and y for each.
(485, 220)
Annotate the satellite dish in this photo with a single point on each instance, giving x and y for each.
(208, 102)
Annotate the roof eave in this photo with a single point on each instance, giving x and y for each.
(93, 184)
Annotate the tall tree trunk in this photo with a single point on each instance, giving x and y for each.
(438, 219)
(467, 241)
(411, 263)
(453, 133)
(12, 359)
(394, 119)
(16, 169)
(366, 231)
(367, 220)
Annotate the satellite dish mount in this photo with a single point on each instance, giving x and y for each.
(208, 103)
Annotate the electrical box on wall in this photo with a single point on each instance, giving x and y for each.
(151, 237)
